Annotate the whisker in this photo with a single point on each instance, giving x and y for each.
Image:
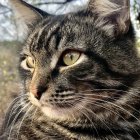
(95, 104)
(90, 95)
(33, 116)
(86, 117)
(123, 110)
(89, 120)
(118, 107)
(13, 122)
(25, 115)
(14, 102)
(12, 111)
(109, 90)
(90, 111)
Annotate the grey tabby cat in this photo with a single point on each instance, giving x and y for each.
(80, 74)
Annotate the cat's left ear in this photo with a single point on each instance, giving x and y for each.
(113, 16)
(26, 14)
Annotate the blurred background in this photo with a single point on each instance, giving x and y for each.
(10, 42)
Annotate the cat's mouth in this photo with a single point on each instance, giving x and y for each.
(70, 105)
(59, 109)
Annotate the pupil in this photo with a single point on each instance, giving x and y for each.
(71, 57)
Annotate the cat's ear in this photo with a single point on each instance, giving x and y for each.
(113, 16)
(26, 14)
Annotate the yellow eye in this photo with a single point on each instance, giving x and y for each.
(71, 57)
(30, 62)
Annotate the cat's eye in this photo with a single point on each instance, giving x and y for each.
(28, 63)
(71, 57)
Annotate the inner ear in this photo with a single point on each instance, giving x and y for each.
(113, 16)
(26, 14)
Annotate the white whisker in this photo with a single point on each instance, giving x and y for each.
(25, 115)
(15, 118)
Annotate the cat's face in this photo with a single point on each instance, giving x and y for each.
(58, 67)
(76, 67)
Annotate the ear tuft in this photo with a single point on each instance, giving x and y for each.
(113, 16)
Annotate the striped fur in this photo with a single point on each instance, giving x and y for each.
(98, 98)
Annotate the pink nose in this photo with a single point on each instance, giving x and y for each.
(33, 90)
(37, 91)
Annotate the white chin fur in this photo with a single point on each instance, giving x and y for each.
(64, 113)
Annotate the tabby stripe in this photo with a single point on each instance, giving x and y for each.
(107, 68)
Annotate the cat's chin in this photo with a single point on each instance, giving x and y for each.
(58, 113)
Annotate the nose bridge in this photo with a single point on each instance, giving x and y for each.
(39, 82)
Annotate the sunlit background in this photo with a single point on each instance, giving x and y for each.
(10, 45)
(9, 30)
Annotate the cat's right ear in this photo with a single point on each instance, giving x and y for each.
(112, 16)
(26, 14)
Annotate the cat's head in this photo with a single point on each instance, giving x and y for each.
(79, 65)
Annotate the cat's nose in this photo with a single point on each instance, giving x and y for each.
(37, 91)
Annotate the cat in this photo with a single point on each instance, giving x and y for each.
(80, 74)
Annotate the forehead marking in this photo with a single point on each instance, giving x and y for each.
(40, 32)
(54, 61)
(47, 33)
